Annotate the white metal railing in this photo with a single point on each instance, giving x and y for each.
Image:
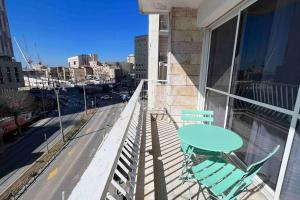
(276, 94)
(157, 92)
(112, 172)
(164, 23)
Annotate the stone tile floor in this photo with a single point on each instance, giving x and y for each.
(158, 174)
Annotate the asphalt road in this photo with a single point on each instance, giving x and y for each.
(65, 171)
(17, 158)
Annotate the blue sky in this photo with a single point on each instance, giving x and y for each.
(62, 28)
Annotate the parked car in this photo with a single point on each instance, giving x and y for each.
(106, 97)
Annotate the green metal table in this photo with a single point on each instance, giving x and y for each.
(210, 138)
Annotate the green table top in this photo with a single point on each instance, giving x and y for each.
(210, 138)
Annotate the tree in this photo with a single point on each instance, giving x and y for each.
(13, 103)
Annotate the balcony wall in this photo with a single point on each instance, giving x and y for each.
(183, 61)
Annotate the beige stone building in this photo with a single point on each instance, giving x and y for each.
(77, 74)
(131, 59)
(81, 66)
(78, 61)
(175, 58)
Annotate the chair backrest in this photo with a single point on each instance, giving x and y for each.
(197, 116)
(254, 168)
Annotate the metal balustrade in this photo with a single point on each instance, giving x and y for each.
(276, 94)
(112, 173)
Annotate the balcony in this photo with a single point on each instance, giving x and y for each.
(164, 24)
(140, 158)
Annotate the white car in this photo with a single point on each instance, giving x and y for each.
(106, 97)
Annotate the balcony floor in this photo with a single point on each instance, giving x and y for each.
(160, 166)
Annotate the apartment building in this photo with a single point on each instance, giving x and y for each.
(78, 61)
(238, 58)
(81, 66)
(130, 59)
(141, 58)
(11, 75)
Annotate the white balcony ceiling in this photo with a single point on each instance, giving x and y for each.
(163, 6)
(208, 10)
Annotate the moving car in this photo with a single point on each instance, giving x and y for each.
(124, 97)
(106, 97)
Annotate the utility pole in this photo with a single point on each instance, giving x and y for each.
(43, 97)
(47, 145)
(59, 114)
(84, 96)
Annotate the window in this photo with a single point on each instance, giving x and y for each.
(217, 103)
(264, 70)
(266, 65)
(1, 77)
(261, 130)
(290, 189)
(8, 74)
(220, 58)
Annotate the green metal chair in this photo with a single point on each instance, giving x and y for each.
(194, 117)
(224, 180)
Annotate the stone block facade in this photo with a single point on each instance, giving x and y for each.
(184, 59)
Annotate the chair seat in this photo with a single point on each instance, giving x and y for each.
(228, 182)
(225, 180)
(207, 168)
(217, 174)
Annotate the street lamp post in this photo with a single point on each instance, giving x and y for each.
(84, 96)
(43, 97)
(59, 114)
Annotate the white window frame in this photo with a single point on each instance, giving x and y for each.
(295, 114)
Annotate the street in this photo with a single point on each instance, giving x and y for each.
(58, 180)
(17, 158)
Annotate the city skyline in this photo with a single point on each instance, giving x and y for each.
(37, 37)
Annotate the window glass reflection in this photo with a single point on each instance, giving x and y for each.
(220, 58)
(267, 57)
(261, 130)
(217, 103)
(290, 189)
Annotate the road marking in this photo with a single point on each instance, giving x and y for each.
(70, 152)
(52, 174)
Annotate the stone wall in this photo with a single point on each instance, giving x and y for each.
(183, 61)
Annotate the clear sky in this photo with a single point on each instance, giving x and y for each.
(63, 28)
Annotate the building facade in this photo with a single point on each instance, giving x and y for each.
(5, 37)
(78, 61)
(11, 75)
(141, 58)
(130, 59)
(77, 74)
(239, 59)
(81, 66)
